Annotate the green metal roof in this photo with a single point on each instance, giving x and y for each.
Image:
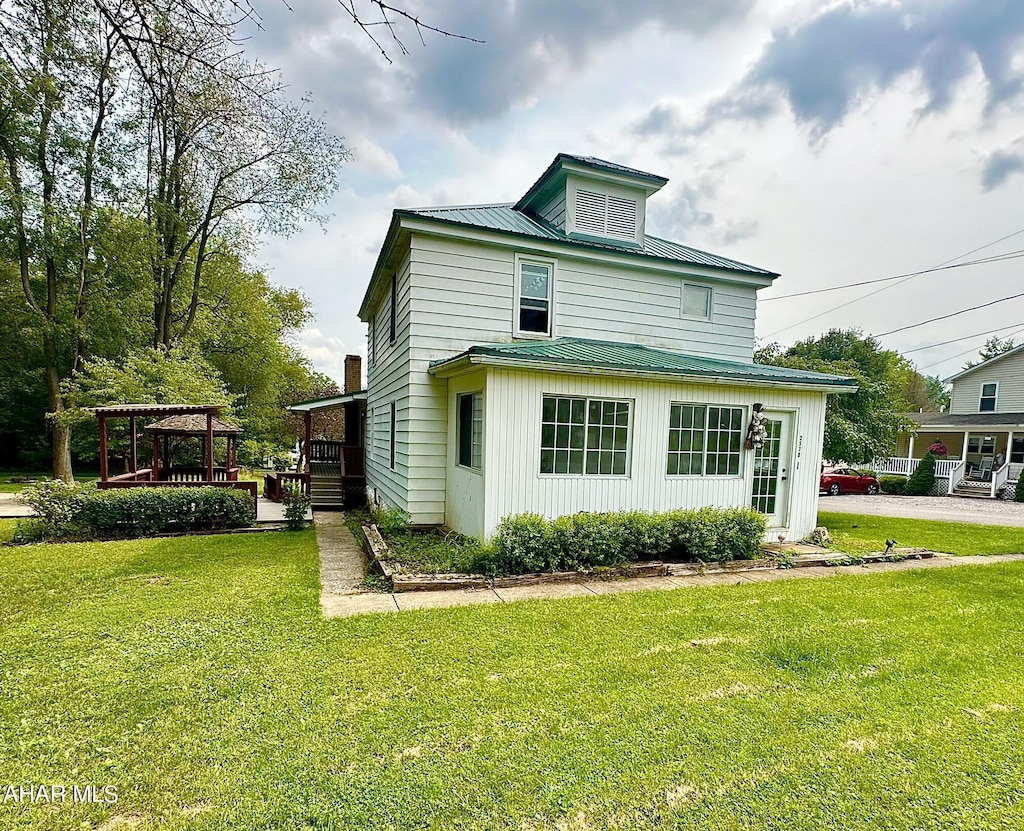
(584, 353)
(506, 219)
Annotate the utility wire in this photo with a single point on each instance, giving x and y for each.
(961, 354)
(956, 340)
(951, 314)
(1009, 255)
(886, 288)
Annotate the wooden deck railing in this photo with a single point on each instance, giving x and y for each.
(274, 483)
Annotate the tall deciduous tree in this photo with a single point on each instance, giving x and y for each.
(863, 425)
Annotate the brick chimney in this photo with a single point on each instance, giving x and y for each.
(353, 373)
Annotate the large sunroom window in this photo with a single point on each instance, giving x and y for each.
(704, 440)
(585, 436)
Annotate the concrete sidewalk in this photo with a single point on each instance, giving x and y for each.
(10, 508)
(343, 567)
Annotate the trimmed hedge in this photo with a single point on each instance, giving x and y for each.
(528, 543)
(85, 513)
(893, 484)
(1018, 494)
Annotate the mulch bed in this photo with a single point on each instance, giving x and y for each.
(378, 550)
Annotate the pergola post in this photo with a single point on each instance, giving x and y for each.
(103, 448)
(308, 419)
(133, 459)
(209, 447)
(156, 458)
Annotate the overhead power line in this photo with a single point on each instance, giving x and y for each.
(895, 284)
(965, 352)
(1009, 255)
(951, 314)
(956, 340)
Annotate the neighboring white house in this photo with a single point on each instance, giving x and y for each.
(983, 430)
(550, 356)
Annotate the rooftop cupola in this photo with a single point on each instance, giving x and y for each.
(590, 198)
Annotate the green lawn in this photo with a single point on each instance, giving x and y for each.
(7, 486)
(197, 676)
(854, 533)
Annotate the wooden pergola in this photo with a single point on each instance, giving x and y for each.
(176, 419)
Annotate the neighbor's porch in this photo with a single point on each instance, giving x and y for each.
(983, 459)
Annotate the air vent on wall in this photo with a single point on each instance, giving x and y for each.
(605, 216)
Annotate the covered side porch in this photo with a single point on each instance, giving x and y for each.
(985, 451)
(332, 472)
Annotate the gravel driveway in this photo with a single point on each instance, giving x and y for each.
(944, 508)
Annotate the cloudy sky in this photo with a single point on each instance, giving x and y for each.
(832, 142)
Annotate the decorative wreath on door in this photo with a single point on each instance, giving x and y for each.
(757, 432)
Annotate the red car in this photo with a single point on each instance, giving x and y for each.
(837, 480)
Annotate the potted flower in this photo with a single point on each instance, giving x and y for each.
(938, 449)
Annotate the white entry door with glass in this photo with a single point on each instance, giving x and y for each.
(772, 461)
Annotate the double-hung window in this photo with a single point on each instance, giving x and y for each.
(989, 394)
(535, 283)
(981, 445)
(471, 430)
(584, 436)
(704, 440)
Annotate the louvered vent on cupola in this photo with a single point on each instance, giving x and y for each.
(603, 215)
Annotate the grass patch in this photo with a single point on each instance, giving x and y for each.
(857, 534)
(7, 527)
(7, 486)
(198, 676)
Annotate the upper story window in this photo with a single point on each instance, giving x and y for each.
(604, 215)
(696, 301)
(535, 288)
(989, 395)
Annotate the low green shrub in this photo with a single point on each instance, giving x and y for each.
(893, 484)
(390, 521)
(54, 504)
(922, 480)
(530, 543)
(83, 513)
(297, 503)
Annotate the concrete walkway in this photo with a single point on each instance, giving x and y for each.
(343, 566)
(942, 508)
(10, 508)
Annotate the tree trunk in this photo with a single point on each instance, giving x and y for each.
(61, 431)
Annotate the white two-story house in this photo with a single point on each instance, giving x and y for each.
(550, 356)
(983, 431)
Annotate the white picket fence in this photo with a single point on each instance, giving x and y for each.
(895, 466)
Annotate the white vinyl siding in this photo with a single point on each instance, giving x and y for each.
(514, 418)
(553, 211)
(387, 380)
(1008, 373)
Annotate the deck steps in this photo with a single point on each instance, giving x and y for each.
(973, 490)
(327, 491)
